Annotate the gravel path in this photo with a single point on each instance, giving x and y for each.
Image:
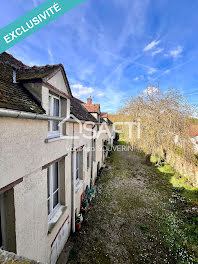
(127, 222)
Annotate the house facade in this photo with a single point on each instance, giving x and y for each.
(51, 150)
(105, 133)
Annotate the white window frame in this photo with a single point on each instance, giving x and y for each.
(52, 133)
(51, 192)
(76, 169)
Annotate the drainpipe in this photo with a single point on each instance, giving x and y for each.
(92, 156)
(73, 186)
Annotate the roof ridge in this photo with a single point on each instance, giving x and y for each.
(12, 58)
(47, 65)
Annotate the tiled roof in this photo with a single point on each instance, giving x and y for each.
(36, 72)
(92, 108)
(104, 115)
(79, 111)
(8, 59)
(40, 73)
(79, 100)
(13, 95)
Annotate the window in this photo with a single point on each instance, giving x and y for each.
(54, 110)
(78, 162)
(88, 160)
(53, 186)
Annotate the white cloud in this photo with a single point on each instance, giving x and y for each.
(77, 86)
(50, 55)
(81, 90)
(151, 45)
(152, 70)
(151, 90)
(157, 51)
(136, 79)
(175, 53)
(166, 71)
(101, 94)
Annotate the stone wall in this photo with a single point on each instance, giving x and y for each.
(185, 168)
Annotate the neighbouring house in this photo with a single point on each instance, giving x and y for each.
(103, 139)
(51, 150)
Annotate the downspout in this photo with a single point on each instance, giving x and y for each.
(73, 186)
(92, 156)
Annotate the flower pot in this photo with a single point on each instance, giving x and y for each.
(78, 226)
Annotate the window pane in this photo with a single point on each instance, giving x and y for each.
(55, 125)
(55, 177)
(55, 113)
(56, 107)
(55, 199)
(49, 105)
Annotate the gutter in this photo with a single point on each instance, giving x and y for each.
(28, 115)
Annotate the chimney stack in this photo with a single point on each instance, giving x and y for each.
(89, 100)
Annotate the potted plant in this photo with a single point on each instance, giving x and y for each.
(78, 224)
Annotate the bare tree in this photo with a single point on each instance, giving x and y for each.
(165, 119)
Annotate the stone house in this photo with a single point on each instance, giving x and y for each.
(49, 154)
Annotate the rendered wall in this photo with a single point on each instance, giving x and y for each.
(58, 82)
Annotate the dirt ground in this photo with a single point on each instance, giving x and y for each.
(132, 219)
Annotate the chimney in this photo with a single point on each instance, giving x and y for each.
(89, 100)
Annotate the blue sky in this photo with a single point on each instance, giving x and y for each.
(114, 49)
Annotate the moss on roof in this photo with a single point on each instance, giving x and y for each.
(13, 95)
(8, 59)
(36, 72)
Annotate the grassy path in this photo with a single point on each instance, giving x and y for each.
(137, 217)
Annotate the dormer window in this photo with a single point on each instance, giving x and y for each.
(54, 110)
